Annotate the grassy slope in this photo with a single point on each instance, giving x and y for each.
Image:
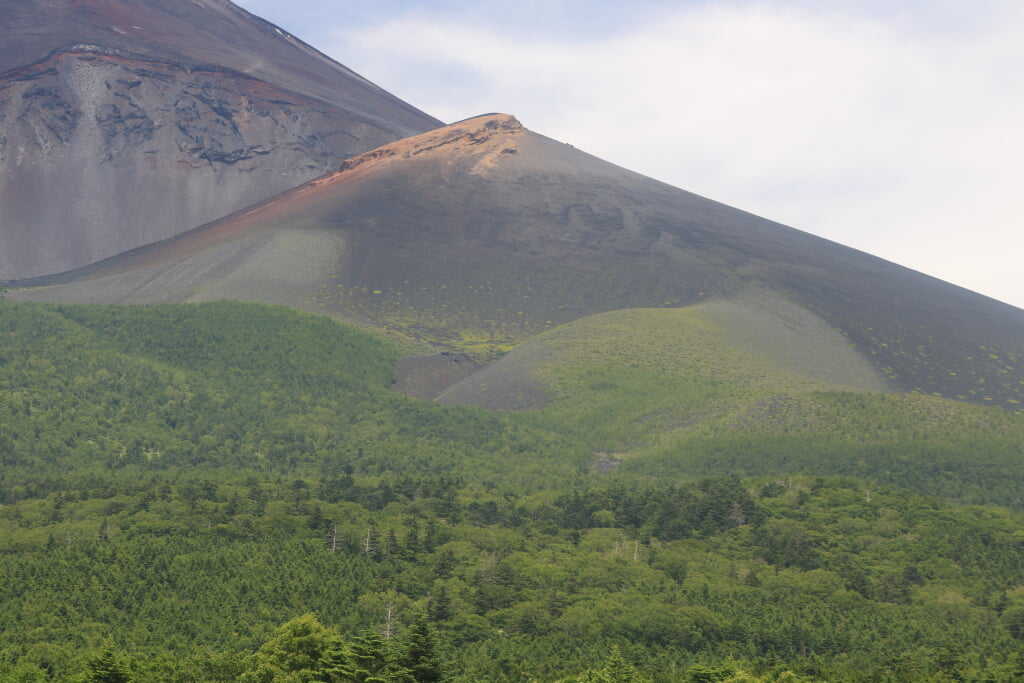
(747, 388)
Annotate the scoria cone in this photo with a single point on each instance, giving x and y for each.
(482, 233)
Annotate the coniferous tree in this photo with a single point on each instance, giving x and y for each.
(445, 563)
(365, 660)
(420, 657)
(412, 540)
(106, 668)
(617, 670)
(440, 606)
(335, 668)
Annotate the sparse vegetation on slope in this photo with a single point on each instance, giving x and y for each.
(689, 391)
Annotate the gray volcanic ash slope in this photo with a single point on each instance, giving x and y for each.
(484, 233)
(124, 122)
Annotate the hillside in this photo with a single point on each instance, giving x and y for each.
(750, 386)
(476, 236)
(156, 459)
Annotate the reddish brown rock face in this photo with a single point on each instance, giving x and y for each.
(126, 122)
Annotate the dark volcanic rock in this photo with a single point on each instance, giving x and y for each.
(125, 122)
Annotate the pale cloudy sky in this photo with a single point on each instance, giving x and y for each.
(896, 128)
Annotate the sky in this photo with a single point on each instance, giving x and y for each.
(894, 128)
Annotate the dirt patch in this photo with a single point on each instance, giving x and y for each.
(605, 463)
(429, 376)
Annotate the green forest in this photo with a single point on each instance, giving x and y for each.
(231, 492)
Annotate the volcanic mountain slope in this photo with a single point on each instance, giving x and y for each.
(123, 122)
(481, 234)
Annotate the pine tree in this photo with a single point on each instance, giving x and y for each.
(412, 540)
(617, 670)
(440, 606)
(105, 668)
(391, 547)
(365, 660)
(335, 667)
(445, 563)
(420, 656)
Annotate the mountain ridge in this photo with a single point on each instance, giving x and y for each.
(171, 35)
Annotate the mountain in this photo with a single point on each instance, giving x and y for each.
(124, 122)
(475, 236)
(671, 440)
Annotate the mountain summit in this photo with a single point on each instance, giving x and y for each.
(124, 122)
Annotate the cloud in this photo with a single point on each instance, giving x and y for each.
(895, 133)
